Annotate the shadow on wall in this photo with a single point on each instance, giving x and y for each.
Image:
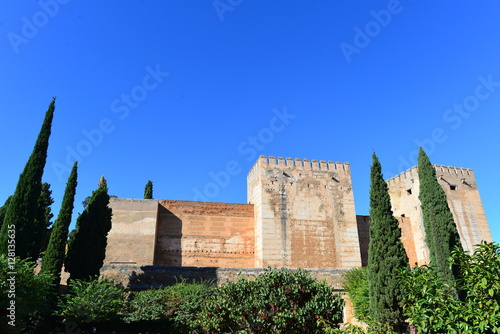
(159, 277)
(168, 245)
(363, 223)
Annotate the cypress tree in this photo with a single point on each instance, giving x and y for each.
(441, 234)
(54, 256)
(3, 209)
(148, 190)
(21, 211)
(87, 246)
(386, 254)
(42, 222)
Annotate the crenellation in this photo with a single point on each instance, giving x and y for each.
(307, 164)
(323, 165)
(315, 164)
(453, 170)
(299, 163)
(272, 160)
(281, 161)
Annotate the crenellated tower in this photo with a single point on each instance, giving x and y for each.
(460, 187)
(304, 214)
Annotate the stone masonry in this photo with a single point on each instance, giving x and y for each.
(300, 214)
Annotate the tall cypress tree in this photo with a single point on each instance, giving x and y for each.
(87, 246)
(21, 211)
(148, 190)
(386, 254)
(441, 234)
(3, 210)
(42, 222)
(54, 255)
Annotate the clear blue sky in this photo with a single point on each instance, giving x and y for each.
(175, 91)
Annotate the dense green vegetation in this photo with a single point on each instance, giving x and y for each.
(441, 234)
(278, 301)
(386, 255)
(32, 296)
(431, 306)
(356, 286)
(87, 246)
(22, 210)
(55, 253)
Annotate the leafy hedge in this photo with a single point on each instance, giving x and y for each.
(278, 301)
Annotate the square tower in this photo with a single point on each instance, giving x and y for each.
(304, 214)
(464, 201)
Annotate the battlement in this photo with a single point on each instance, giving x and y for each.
(453, 170)
(412, 173)
(301, 164)
(409, 174)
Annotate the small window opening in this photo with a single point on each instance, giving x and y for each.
(408, 191)
(403, 215)
(453, 187)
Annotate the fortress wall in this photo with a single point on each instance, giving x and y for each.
(304, 213)
(204, 234)
(133, 228)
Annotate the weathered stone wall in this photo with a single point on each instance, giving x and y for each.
(464, 200)
(403, 190)
(133, 229)
(144, 277)
(462, 193)
(204, 234)
(304, 214)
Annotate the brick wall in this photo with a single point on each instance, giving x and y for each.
(204, 234)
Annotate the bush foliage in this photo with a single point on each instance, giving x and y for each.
(278, 301)
(32, 295)
(431, 306)
(94, 301)
(356, 286)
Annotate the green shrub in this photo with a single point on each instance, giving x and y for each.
(147, 305)
(356, 286)
(32, 296)
(278, 301)
(158, 304)
(95, 301)
(431, 307)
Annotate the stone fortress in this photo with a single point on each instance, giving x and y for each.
(300, 214)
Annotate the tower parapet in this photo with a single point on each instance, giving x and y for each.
(298, 163)
(304, 213)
